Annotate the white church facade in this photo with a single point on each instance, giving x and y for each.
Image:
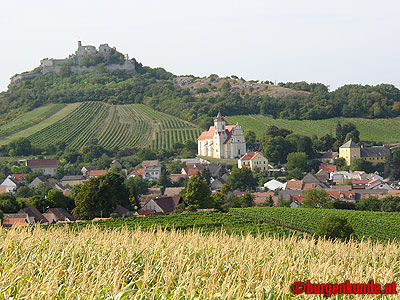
(221, 141)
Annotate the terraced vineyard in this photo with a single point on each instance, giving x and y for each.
(366, 224)
(121, 126)
(168, 130)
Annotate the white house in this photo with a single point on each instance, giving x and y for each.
(274, 184)
(46, 166)
(9, 185)
(152, 169)
(221, 141)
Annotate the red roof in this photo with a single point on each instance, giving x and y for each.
(19, 177)
(210, 133)
(3, 189)
(343, 195)
(260, 198)
(299, 198)
(97, 172)
(42, 163)
(138, 172)
(341, 187)
(309, 186)
(150, 163)
(294, 185)
(249, 156)
(328, 169)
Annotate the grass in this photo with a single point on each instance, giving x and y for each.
(59, 263)
(378, 130)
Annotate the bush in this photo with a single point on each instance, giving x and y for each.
(333, 227)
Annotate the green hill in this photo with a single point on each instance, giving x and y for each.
(122, 126)
(376, 130)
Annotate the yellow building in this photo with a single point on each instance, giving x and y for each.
(252, 161)
(350, 151)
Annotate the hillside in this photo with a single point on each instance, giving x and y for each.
(376, 130)
(122, 126)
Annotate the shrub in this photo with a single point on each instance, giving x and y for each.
(334, 227)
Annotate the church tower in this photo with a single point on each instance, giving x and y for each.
(219, 136)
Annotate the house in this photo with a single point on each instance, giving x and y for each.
(35, 214)
(378, 184)
(61, 215)
(350, 151)
(17, 220)
(322, 175)
(47, 166)
(176, 178)
(349, 196)
(216, 184)
(273, 185)
(20, 178)
(97, 173)
(294, 184)
(252, 161)
(164, 205)
(116, 164)
(263, 197)
(221, 141)
(138, 172)
(172, 191)
(190, 171)
(328, 157)
(152, 169)
(310, 178)
(328, 169)
(38, 180)
(86, 169)
(72, 180)
(9, 185)
(123, 212)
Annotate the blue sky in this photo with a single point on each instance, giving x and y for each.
(335, 42)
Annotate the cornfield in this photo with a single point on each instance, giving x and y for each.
(60, 263)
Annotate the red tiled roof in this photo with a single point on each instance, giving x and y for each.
(309, 186)
(394, 192)
(299, 198)
(228, 131)
(341, 187)
(294, 185)
(343, 195)
(138, 172)
(262, 197)
(97, 172)
(192, 172)
(42, 163)
(207, 134)
(3, 189)
(249, 156)
(150, 163)
(328, 169)
(14, 222)
(19, 177)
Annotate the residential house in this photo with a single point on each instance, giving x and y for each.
(190, 171)
(123, 212)
(20, 178)
(9, 185)
(349, 196)
(61, 214)
(273, 185)
(176, 178)
(97, 173)
(38, 180)
(164, 205)
(138, 172)
(252, 161)
(47, 166)
(322, 175)
(152, 169)
(73, 180)
(35, 213)
(328, 157)
(86, 169)
(350, 151)
(17, 220)
(263, 197)
(216, 184)
(172, 191)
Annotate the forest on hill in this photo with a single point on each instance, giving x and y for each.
(197, 99)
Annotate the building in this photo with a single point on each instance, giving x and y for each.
(351, 151)
(252, 161)
(273, 185)
(152, 169)
(221, 141)
(97, 173)
(72, 180)
(9, 185)
(47, 166)
(163, 205)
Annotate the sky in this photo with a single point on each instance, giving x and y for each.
(334, 42)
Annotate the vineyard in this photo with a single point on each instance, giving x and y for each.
(204, 221)
(113, 126)
(370, 129)
(374, 225)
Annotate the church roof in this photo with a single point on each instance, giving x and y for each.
(219, 117)
(210, 133)
(350, 144)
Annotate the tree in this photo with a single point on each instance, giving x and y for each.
(300, 143)
(24, 192)
(21, 146)
(392, 165)
(242, 179)
(31, 176)
(43, 188)
(246, 200)
(197, 193)
(136, 186)
(8, 204)
(362, 165)
(297, 160)
(99, 196)
(176, 166)
(218, 200)
(276, 149)
(250, 137)
(315, 198)
(370, 203)
(334, 227)
(391, 204)
(40, 202)
(164, 180)
(206, 174)
(340, 163)
(58, 199)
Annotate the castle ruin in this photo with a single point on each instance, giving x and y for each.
(54, 66)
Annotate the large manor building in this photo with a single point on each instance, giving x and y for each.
(221, 141)
(350, 151)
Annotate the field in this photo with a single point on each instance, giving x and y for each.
(374, 225)
(205, 221)
(114, 126)
(378, 130)
(59, 263)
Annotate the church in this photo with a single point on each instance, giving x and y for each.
(221, 141)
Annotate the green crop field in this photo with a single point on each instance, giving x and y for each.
(122, 126)
(204, 221)
(374, 225)
(378, 130)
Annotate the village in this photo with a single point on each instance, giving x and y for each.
(219, 142)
